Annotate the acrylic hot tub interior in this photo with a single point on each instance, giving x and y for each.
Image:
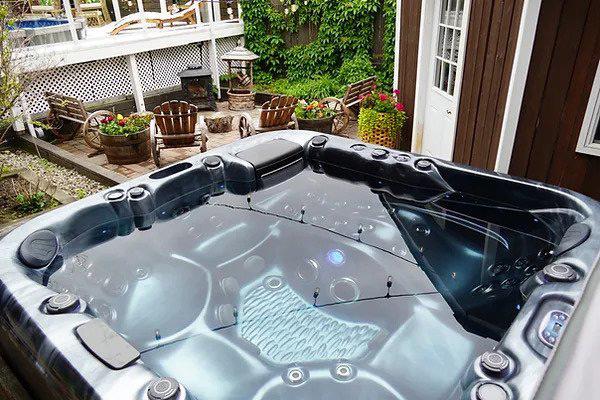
(317, 287)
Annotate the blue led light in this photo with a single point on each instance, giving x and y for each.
(336, 257)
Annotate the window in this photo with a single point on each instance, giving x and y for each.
(589, 137)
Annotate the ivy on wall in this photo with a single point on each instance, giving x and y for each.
(345, 32)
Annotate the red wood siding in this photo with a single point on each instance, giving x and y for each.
(407, 68)
(492, 36)
(564, 61)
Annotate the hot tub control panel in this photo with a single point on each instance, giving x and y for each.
(552, 327)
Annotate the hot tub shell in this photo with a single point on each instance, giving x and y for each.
(53, 360)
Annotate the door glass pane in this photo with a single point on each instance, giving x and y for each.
(448, 45)
(451, 80)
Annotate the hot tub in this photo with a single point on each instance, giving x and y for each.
(299, 266)
(40, 31)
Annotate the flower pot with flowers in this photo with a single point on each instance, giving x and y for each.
(381, 119)
(314, 116)
(126, 140)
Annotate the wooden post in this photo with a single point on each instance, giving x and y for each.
(116, 9)
(214, 66)
(229, 73)
(69, 14)
(136, 84)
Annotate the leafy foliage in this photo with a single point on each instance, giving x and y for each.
(309, 89)
(356, 69)
(31, 203)
(345, 32)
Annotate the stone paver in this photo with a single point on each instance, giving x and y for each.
(78, 148)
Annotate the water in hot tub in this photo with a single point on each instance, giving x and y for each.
(318, 287)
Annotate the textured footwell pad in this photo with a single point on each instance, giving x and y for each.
(287, 329)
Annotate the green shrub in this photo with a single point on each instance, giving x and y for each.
(308, 89)
(356, 69)
(30, 203)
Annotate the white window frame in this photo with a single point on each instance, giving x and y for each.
(586, 143)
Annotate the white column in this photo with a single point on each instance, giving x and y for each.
(116, 9)
(198, 15)
(140, 5)
(239, 7)
(516, 86)
(216, 10)
(136, 84)
(27, 116)
(69, 14)
(163, 6)
(18, 124)
(214, 66)
(397, 42)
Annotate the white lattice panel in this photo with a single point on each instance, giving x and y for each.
(91, 81)
(102, 79)
(223, 46)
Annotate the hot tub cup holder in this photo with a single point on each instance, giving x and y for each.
(490, 390)
(63, 303)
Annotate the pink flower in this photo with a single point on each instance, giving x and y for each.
(399, 106)
(383, 96)
(396, 92)
(362, 96)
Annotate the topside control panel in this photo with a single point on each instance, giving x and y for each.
(552, 327)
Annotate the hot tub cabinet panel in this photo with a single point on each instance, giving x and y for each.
(298, 265)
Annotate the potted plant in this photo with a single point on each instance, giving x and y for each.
(314, 116)
(381, 118)
(126, 140)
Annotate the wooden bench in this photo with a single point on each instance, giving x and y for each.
(66, 115)
(344, 106)
(274, 115)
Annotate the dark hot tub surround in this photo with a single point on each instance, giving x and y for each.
(296, 265)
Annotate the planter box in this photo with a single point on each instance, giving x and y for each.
(382, 129)
(322, 125)
(130, 149)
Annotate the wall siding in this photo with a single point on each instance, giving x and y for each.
(407, 66)
(492, 36)
(564, 60)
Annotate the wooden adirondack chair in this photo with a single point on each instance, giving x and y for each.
(343, 107)
(175, 124)
(274, 115)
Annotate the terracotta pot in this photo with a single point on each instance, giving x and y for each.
(130, 149)
(323, 125)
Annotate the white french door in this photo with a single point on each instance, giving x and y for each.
(445, 68)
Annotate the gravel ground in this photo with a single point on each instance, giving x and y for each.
(68, 180)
